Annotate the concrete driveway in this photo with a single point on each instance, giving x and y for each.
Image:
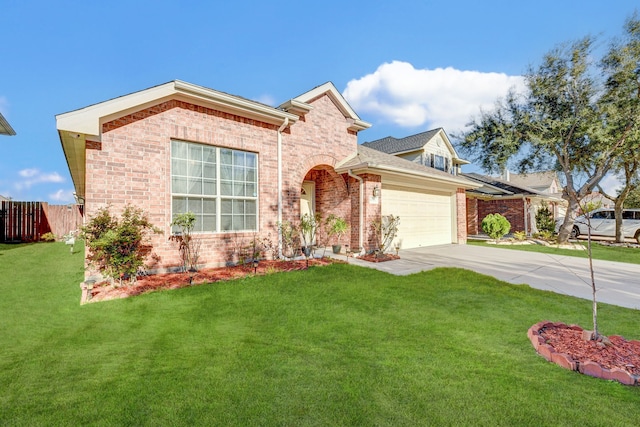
(618, 283)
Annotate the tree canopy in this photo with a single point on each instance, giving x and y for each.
(575, 116)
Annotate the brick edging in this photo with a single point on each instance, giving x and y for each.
(564, 360)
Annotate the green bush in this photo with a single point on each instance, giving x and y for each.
(520, 235)
(48, 237)
(544, 219)
(117, 246)
(495, 225)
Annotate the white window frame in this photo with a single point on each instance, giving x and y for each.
(218, 198)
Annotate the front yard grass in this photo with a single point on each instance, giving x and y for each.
(336, 345)
(602, 252)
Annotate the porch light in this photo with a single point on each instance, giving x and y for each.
(376, 191)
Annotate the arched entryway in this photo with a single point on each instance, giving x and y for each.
(324, 192)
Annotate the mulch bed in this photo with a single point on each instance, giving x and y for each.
(621, 354)
(145, 284)
(378, 258)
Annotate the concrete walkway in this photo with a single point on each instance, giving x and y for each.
(618, 283)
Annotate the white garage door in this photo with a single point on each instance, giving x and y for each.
(425, 218)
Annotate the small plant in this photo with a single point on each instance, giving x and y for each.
(48, 237)
(544, 219)
(337, 227)
(269, 246)
(496, 226)
(290, 238)
(520, 235)
(309, 225)
(545, 235)
(189, 247)
(116, 246)
(385, 230)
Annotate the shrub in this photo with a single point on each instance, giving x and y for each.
(495, 225)
(189, 247)
(48, 237)
(385, 230)
(544, 219)
(116, 246)
(520, 235)
(290, 238)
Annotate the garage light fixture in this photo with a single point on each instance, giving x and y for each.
(376, 191)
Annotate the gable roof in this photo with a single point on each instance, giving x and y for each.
(391, 145)
(396, 146)
(369, 160)
(534, 179)
(78, 126)
(497, 187)
(89, 120)
(5, 127)
(301, 105)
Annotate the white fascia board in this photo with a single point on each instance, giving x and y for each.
(89, 120)
(342, 104)
(401, 174)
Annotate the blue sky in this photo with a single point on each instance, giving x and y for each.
(404, 66)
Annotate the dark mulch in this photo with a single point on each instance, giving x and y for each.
(144, 284)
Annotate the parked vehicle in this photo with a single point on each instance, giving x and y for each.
(603, 223)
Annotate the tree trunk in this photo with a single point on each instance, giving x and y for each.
(567, 225)
(618, 211)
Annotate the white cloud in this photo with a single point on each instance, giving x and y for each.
(444, 97)
(62, 196)
(35, 176)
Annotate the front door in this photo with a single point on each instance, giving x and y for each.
(307, 198)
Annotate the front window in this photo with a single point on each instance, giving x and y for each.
(219, 185)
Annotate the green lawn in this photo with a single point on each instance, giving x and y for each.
(338, 345)
(606, 253)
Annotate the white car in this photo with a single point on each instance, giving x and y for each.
(603, 223)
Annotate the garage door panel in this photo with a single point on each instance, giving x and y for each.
(425, 218)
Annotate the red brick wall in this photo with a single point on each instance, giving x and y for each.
(512, 209)
(132, 165)
(461, 215)
(472, 216)
(372, 210)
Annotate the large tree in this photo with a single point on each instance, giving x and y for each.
(570, 118)
(622, 68)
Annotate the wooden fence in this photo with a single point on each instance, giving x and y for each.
(28, 221)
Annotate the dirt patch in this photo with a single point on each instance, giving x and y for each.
(145, 284)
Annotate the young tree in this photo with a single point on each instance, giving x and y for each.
(567, 120)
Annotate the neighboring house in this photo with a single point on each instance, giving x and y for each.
(598, 200)
(545, 182)
(517, 203)
(5, 127)
(242, 167)
(431, 148)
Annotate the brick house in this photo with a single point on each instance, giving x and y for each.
(516, 202)
(242, 167)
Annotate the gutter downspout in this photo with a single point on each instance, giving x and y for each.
(280, 129)
(360, 207)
